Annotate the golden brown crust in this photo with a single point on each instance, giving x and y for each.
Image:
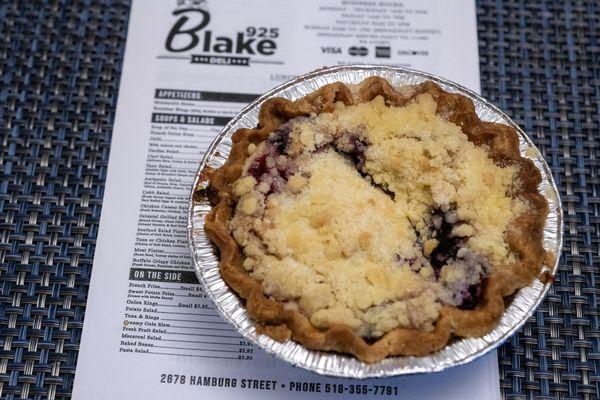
(524, 236)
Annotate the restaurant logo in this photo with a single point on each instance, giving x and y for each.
(190, 33)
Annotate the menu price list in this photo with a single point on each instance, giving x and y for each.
(167, 312)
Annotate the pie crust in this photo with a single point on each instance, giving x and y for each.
(523, 236)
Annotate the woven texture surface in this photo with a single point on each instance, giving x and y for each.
(59, 68)
(60, 63)
(540, 61)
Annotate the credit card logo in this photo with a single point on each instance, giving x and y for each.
(358, 51)
(383, 52)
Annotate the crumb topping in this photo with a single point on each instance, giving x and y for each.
(373, 216)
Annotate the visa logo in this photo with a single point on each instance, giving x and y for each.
(331, 50)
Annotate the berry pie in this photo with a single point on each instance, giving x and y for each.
(376, 221)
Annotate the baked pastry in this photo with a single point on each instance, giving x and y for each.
(376, 221)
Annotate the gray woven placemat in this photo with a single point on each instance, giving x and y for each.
(60, 63)
(540, 61)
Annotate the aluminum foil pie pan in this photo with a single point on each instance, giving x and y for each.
(457, 352)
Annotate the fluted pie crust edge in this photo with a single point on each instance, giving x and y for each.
(524, 236)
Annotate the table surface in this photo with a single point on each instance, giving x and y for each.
(60, 64)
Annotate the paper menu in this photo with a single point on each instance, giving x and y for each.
(190, 65)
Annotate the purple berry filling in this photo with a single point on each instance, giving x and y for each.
(357, 152)
(355, 147)
(410, 261)
(473, 294)
(281, 137)
(265, 167)
(446, 252)
(448, 246)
